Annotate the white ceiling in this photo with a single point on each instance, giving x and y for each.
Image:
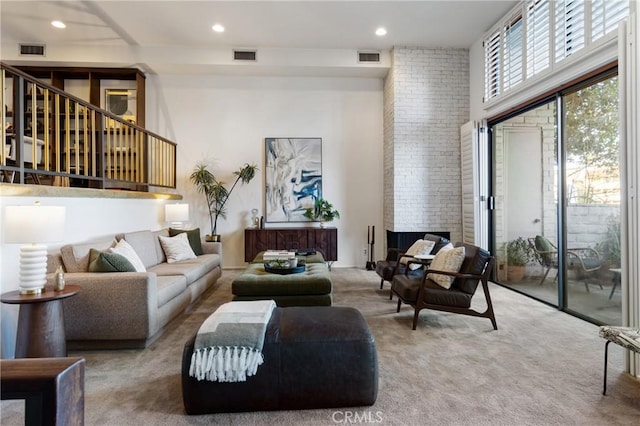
(305, 24)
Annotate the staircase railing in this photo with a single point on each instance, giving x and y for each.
(54, 138)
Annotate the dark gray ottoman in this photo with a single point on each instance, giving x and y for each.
(314, 357)
(309, 288)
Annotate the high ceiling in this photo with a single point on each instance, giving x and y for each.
(250, 24)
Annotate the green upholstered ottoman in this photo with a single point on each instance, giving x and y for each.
(309, 288)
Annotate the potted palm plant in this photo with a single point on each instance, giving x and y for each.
(215, 192)
(322, 211)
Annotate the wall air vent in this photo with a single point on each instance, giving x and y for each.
(369, 57)
(31, 49)
(244, 55)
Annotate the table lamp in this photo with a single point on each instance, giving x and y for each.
(176, 214)
(33, 226)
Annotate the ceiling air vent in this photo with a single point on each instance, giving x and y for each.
(32, 49)
(368, 56)
(244, 55)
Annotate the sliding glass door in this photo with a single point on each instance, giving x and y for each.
(556, 186)
(524, 186)
(592, 202)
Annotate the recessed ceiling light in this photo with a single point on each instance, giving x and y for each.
(58, 24)
(218, 28)
(381, 31)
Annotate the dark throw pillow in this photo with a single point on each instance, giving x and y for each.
(101, 261)
(193, 235)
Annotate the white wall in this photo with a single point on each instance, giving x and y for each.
(226, 118)
(86, 219)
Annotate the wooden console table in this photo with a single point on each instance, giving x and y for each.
(325, 240)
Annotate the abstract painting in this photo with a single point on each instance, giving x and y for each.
(293, 170)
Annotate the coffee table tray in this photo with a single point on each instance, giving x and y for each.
(285, 271)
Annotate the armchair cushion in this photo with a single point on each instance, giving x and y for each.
(408, 286)
(420, 247)
(447, 261)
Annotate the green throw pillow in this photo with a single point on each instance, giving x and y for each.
(193, 235)
(101, 261)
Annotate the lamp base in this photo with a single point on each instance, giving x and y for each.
(31, 290)
(33, 269)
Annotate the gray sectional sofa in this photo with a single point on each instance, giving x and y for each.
(117, 310)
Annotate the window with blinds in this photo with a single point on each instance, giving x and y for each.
(570, 34)
(513, 42)
(541, 33)
(606, 15)
(492, 66)
(538, 46)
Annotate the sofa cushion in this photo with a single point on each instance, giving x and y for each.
(75, 257)
(177, 248)
(124, 248)
(192, 269)
(101, 261)
(170, 286)
(144, 244)
(194, 238)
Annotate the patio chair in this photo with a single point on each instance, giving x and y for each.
(583, 260)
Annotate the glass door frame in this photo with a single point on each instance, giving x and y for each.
(556, 97)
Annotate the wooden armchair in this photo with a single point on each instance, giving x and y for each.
(422, 293)
(390, 266)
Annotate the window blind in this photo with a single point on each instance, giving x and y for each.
(538, 49)
(492, 65)
(570, 34)
(605, 16)
(513, 39)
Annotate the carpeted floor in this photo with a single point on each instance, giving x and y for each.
(542, 367)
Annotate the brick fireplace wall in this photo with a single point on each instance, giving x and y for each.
(426, 100)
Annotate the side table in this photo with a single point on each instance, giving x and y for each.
(40, 322)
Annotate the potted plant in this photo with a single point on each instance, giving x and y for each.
(517, 253)
(322, 211)
(216, 193)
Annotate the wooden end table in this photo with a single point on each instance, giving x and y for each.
(40, 322)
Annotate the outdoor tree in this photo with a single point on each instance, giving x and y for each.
(592, 138)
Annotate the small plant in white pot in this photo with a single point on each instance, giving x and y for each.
(322, 211)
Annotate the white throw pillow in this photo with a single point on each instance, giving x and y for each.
(447, 260)
(419, 248)
(177, 248)
(124, 248)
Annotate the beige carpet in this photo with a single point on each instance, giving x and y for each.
(542, 367)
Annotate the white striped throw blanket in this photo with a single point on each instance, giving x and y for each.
(228, 345)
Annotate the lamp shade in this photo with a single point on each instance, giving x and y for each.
(34, 224)
(176, 212)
